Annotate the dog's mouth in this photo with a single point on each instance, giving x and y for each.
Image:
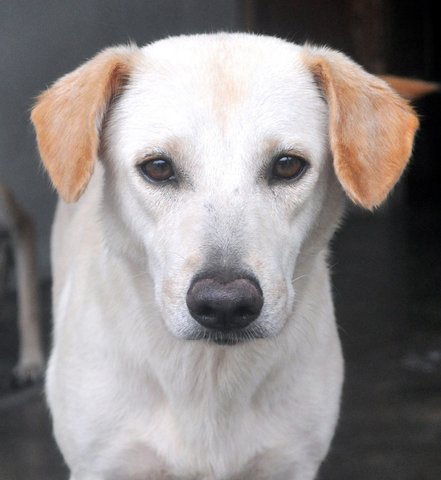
(231, 337)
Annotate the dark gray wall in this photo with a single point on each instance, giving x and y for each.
(42, 39)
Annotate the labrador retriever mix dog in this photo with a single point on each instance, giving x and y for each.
(194, 327)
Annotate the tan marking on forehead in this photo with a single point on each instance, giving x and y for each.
(228, 89)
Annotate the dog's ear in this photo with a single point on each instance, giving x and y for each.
(371, 128)
(68, 118)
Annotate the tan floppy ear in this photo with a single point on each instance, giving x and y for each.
(68, 118)
(371, 128)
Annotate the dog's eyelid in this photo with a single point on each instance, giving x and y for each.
(291, 152)
(153, 155)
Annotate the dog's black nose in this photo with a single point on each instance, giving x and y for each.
(222, 305)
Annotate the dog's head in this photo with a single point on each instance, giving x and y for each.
(225, 159)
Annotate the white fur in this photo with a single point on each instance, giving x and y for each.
(129, 395)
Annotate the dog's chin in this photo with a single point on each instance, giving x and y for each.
(228, 338)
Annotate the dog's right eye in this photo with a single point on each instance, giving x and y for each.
(157, 170)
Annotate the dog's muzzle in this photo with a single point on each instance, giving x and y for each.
(224, 304)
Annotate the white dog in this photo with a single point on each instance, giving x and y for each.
(194, 329)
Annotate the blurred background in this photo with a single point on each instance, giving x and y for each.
(386, 266)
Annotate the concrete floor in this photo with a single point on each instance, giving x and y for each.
(387, 288)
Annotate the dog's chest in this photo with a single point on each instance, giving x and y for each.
(140, 462)
(208, 450)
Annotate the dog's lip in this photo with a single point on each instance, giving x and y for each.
(221, 337)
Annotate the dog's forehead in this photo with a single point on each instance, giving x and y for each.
(238, 52)
(229, 68)
(185, 85)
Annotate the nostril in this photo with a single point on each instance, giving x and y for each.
(205, 311)
(243, 311)
(225, 306)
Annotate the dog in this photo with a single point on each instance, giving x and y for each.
(201, 179)
(17, 245)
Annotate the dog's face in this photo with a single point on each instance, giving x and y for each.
(219, 179)
(224, 159)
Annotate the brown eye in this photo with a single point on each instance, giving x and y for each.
(288, 167)
(158, 170)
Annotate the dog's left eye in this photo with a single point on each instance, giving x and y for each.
(288, 167)
(158, 170)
